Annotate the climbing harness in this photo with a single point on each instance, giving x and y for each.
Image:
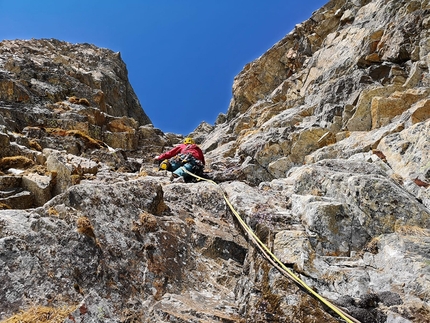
(195, 165)
(274, 260)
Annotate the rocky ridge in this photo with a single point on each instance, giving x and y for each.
(324, 151)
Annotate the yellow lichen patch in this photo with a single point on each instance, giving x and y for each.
(89, 142)
(59, 107)
(75, 179)
(123, 169)
(159, 284)
(83, 101)
(143, 173)
(62, 104)
(85, 227)
(246, 133)
(74, 99)
(190, 221)
(41, 314)
(52, 211)
(412, 230)
(161, 207)
(35, 145)
(135, 227)
(20, 162)
(56, 131)
(371, 246)
(148, 222)
(4, 206)
(316, 192)
(122, 125)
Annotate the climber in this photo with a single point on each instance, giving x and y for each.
(188, 155)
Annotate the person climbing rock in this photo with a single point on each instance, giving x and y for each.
(188, 155)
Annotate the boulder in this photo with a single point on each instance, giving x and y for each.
(40, 185)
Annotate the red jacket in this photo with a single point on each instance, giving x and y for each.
(184, 149)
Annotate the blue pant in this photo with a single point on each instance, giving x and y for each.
(178, 170)
(176, 163)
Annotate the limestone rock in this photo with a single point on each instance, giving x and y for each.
(383, 110)
(69, 169)
(293, 248)
(95, 74)
(17, 198)
(408, 151)
(40, 185)
(323, 153)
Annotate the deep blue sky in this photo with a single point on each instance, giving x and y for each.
(181, 55)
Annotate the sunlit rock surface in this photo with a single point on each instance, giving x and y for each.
(323, 151)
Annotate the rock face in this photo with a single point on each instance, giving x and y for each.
(53, 84)
(324, 153)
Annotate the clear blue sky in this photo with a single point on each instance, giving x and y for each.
(181, 55)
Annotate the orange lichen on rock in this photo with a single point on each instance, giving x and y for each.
(85, 227)
(81, 101)
(35, 145)
(148, 222)
(4, 206)
(89, 142)
(73, 99)
(41, 314)
(20, 162)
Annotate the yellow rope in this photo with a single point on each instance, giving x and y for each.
(274, 260)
